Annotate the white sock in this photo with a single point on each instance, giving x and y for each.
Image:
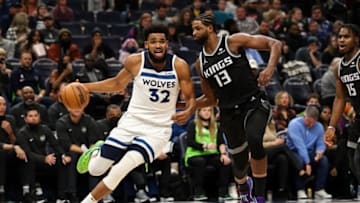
(89, 199)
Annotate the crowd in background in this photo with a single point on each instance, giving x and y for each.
(45, 44)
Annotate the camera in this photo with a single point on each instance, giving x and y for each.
(2, 60)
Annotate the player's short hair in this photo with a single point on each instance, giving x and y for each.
(207, 19)
(156, 28)
(352, 27)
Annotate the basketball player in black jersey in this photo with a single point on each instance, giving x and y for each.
(227, 81)
(348, 86)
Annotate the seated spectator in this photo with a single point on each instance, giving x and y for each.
(7, 146)
(18, 30)
(36, 139)
(245, 24)
(28, 99)
(310, 53)
(35, 45)
(220, 14)
(76, 132)
(28, 76)
(56, 110)
(62, 13)
(62, 74)
(283, 111)
(312, 99)
(305, 139)
(330, 51)
(183, 26)
(98, 49)
(49, 32)
(129, 46)
(7, 45)
(5, 73)
(64, 50)
(138, 31)
(206, 147)
(328, 83)
(37, 22)
(105, 125)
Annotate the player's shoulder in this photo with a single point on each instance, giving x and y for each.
(180, 62)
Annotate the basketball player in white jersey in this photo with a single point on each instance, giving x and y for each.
(145, 128)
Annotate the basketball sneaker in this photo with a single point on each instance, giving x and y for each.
(246, 196)
(83, 162)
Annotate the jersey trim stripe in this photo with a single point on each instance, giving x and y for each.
(158, 76)
(111, 139)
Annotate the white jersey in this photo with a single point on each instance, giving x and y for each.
(155, 93)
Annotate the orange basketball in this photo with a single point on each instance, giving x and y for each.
(75, 96)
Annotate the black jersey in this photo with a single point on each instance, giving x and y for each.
(349, 75)
(229, 75)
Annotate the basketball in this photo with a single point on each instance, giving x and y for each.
(75, 96)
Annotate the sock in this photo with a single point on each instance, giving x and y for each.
(244, 187)
(259, 186)
(26, 189)
(89, 199)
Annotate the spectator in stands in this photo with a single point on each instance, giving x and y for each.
(283, 111)
(38, 21)
(274, 16)
(36, 139)
(59, 75)
(35, 45)
(220, 14)
(10, 8)
(5, 73)
(31, 7)
(65, 50)
(328, 83)
(325, 115)
(105, 125)
(7, 143)
(245, 24)
(28, 99)
(283, 161)
(197, 7)
(294, 38)
(98, 49)
(313, 30)
(183, 27)
(7, 45)
(129, 46)
(312, 99)
(62, 13)
(295, 16)
(160, 16)
(28, 76)
(265, 29)
(18, 29)
(330, 51)
(310, 54)
(56, 110)
(76, 132)
(138, 32)
(49, 32)
(206, 146)
(305, 139)
(325, 26)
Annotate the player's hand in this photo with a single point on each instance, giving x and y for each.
(264, 77)
(181, 117)
(328, 137)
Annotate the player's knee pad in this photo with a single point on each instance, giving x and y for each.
(99, 165)
(129, 161)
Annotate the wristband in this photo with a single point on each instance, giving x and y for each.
(224, 153)
(332, 128)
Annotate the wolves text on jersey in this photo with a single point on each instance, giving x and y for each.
(159, 83)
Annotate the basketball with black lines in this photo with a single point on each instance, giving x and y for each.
(75, 96)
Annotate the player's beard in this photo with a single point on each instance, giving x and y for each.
(202, 40)
(157, 60)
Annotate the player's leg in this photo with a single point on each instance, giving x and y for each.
(256, 122)
(232, 125)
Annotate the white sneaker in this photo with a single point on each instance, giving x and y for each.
(232, 191)
(322, 194)
(301, 194)
(141, 197)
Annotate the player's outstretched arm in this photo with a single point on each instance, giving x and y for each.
(259, 42)
(208, 98)
(119, 82)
